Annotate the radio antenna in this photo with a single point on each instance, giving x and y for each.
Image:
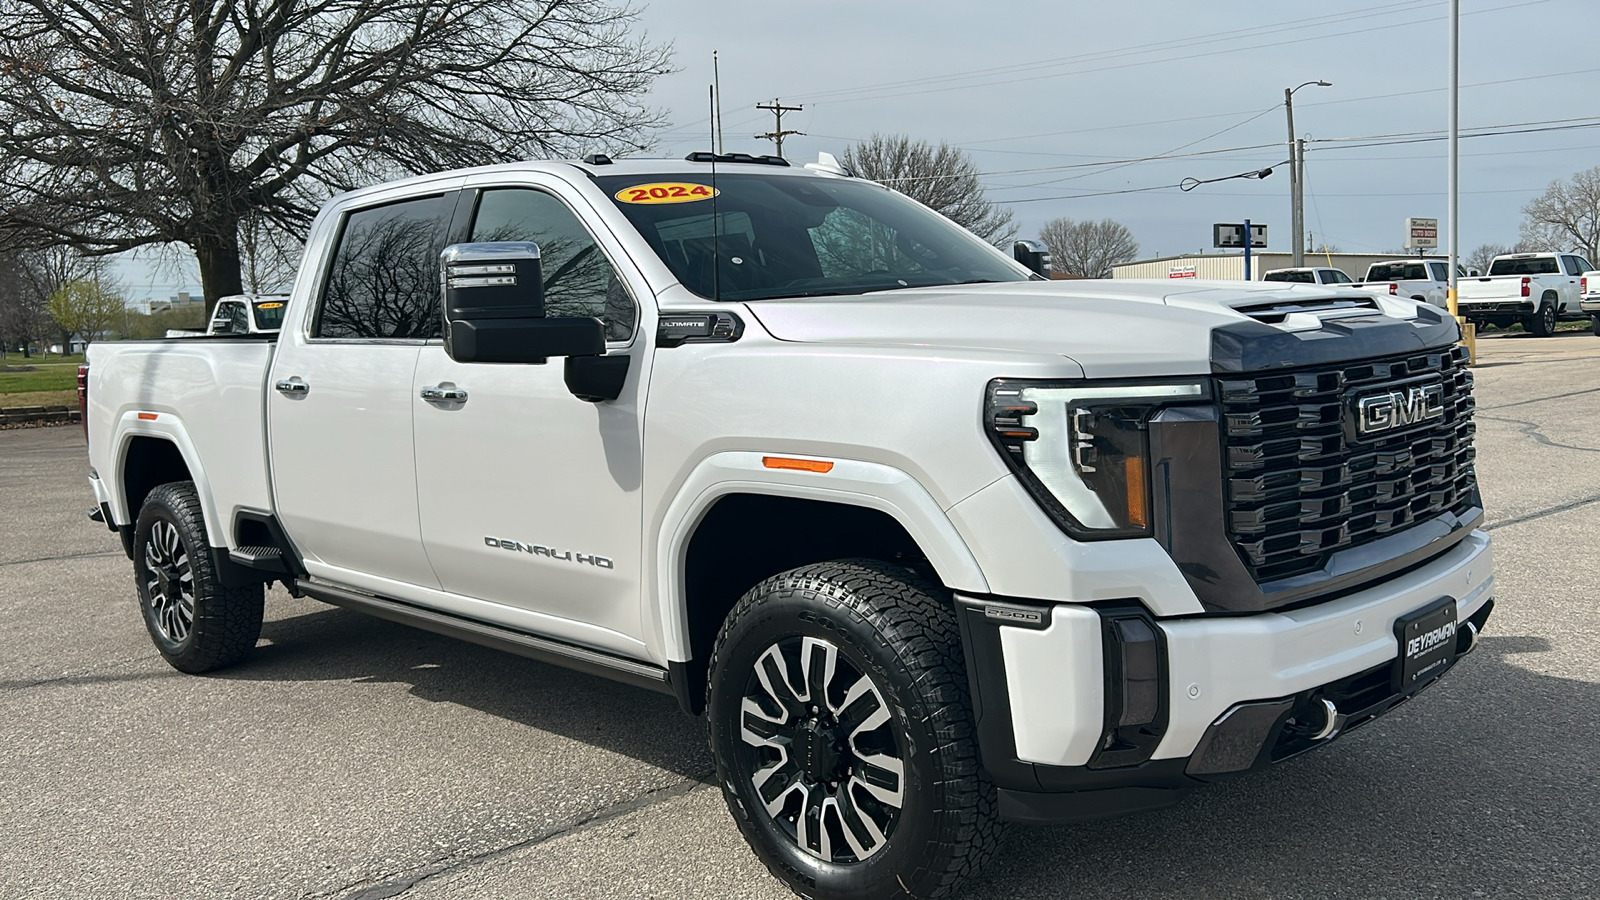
(716, 225)
(716, 81)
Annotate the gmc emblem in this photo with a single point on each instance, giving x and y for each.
(1377, 413)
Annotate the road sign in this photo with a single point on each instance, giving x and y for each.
(1422, 234)
(1232, 235)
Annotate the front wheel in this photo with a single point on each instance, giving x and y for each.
(844, 737)
(196, 622)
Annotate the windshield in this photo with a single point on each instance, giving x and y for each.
(782, 236)
(1539, 265)
(1397, 272)
(269, 315)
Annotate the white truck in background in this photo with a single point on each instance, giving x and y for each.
(1589, 297)
(1423, 280)
(932, 542)
(241, 314)
(1309, 275)
(1534, 289)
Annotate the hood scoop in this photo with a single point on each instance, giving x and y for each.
(1277, 311)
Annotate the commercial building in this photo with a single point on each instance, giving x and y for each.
(1230, 266)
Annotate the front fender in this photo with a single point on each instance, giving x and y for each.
(850, 482)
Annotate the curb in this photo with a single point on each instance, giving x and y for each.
(38, 415)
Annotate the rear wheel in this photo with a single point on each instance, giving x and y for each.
(843, 734)
(196, 622)
(1543, 322)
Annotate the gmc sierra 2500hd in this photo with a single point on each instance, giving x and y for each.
(931, 542)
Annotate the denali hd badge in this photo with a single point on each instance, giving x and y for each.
(1377, 413)
(541, 550)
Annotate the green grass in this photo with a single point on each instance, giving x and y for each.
(45, 377)
(40, 398)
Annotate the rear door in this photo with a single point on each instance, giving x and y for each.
(339, 412)
(530, 497)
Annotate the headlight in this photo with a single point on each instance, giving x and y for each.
(1082, 448)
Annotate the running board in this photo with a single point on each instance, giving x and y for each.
(593, 662)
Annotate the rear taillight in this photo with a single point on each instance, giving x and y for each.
(1394, 290)
(83, 398)
(1525, 289)
(1583, 285)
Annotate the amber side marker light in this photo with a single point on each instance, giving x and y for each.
(148, 417)
(802, 465)
(1136, 492)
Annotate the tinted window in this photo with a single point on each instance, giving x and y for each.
(1336, 276)
(779, 235)
(384, 280)
(1397, 272)
(1441, 271)
(1572, 265)
(1583, 265)
(578, 279)
(269, 315)
(1539, 265)
(1297, 277)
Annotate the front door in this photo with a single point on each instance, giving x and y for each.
(339, 405)
(530, 497)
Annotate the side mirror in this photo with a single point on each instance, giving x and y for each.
(494, 308)
(1033, 254)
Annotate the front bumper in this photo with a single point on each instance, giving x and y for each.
(1237, 692)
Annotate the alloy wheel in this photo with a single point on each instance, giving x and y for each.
(821, 751)
(169, 581)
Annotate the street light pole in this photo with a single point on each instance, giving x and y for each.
(1297, 200)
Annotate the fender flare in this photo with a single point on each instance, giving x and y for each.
(167, 427)
(849, 482)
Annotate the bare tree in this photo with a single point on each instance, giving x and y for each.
(1566, 216)
(1088, 248)
(940, 177)
(131, 123)
(1485, 253)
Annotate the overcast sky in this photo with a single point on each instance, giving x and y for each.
(1053, 99)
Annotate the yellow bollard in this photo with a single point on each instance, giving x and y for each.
(1469, 330)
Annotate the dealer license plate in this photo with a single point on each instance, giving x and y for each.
(1427, 644)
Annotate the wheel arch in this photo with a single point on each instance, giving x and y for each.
(708, 553)
(152, 452)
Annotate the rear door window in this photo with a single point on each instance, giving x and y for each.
(1335, 276)
(1441, 271)
(383, 283)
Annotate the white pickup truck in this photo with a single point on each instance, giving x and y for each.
(1424, 280)
(1308, 275)
(931, 542)
(1589, 297)
(1536, 289)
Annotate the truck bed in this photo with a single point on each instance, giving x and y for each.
(207, 395)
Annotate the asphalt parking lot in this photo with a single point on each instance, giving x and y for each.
(354, 758)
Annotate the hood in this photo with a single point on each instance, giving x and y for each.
(1118, 329)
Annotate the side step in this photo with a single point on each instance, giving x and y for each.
(263, 559)
(593, 662)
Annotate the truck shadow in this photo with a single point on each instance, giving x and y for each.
(334, 644)
(1481, 787)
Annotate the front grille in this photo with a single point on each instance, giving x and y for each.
(1303, 484)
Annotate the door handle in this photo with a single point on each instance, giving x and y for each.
(444, 395)
(293, 386)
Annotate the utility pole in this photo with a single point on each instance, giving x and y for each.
(1297, 177)
(777, 134)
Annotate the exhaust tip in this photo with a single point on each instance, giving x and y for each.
(1468, 641)
(1330, 726)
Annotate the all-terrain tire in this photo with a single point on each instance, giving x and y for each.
(893, 635)
(197, 623)
(1543, 322)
